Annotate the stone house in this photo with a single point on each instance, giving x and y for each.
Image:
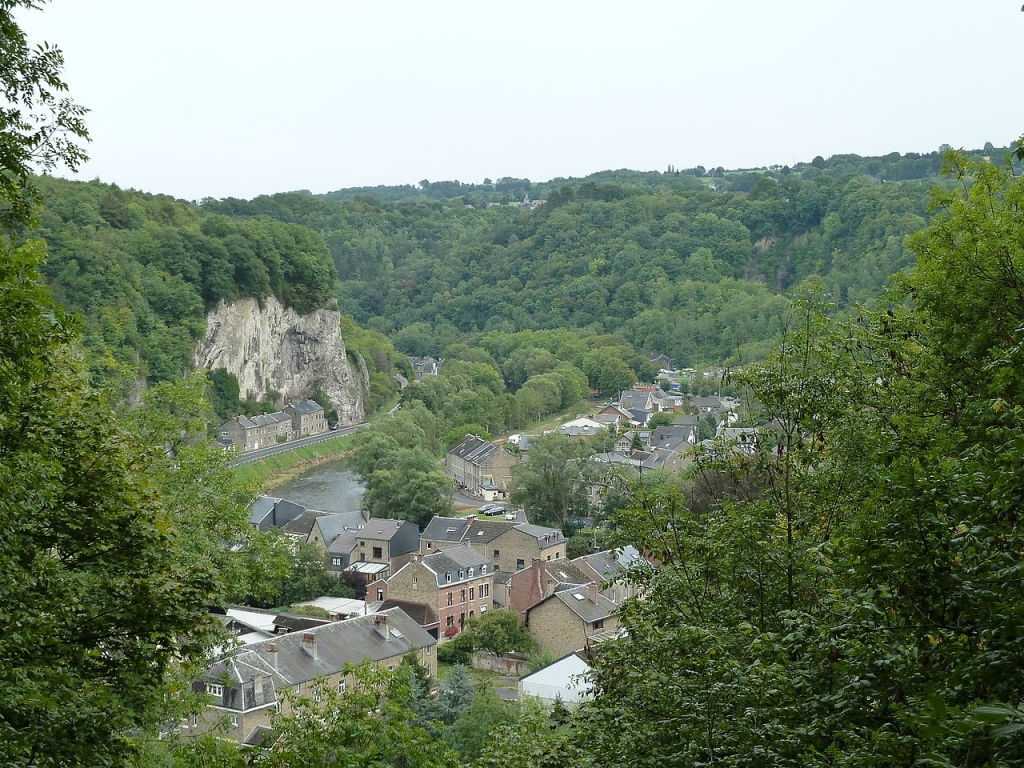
(307, 418)
(455, 582)
(475, 464)
(608, 570)
(382, 542)
(246, 686)
(542, 579)
(444, 532)
(567, 620)
(250, 433)
(517, 547)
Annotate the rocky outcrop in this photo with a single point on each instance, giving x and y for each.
(275, 348)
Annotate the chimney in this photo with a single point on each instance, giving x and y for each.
(380, 623)
(593, 592)
(309, 643)
(272, 654)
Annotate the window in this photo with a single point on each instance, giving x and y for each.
(520, 564)
(277, 707)
(462, 574)
(599, 624)
(471, 573)
(471, 594)
(448, 576)
(362, 557)
(485, 590)
(336, 562)
(471, 614)
(362, 543)
(483, 570)
(462, 595)
(378, 553)
(341, 687)
(450, 621)
(380, 594)
(449, 598)
(316, 696)
(549, 557)
(415, 582)
(483, 609)
(497, 554)
(214, 689)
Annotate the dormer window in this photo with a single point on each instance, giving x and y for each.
(471, 573)
(483, 570)
(448, 576)
(215, 690)
(462, 574)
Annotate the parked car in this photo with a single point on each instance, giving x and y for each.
(486, 509)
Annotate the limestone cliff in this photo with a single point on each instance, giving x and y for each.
(276, 348)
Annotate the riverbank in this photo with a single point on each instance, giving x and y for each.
(282, 467)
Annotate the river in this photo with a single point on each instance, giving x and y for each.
(329, 488)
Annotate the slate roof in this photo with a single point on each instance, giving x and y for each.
(452, 560)
(303, 524)
(381, 528)
(269, 419)
(672, 436)
(279, 510)
(566, 572)
(474, 450)
(578, 601)
(447, 529)
(337, 643)
(344, 543)
(306, 406)
(333, 525)
(421, 613)
(542, 534)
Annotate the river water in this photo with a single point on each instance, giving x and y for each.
(329, 488)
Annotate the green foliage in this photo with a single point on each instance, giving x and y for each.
(552, 484)
(40, 126)
(499, 632)
(110, 548)
(372, 723)
(471, 732)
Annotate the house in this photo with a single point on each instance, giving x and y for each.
(250, 433)
(268, 512)
(624, 443)
(328, 527)
(639, 399)
(515, 548)
(425, 366)
(246, 686)
(703, 405)
(583, 427)
(382, 546)
(566, 680)
(307, 418)
(444, 532)
(609, 570)
(567, 620)
(744, 439)
(622, 416)
(543, 578)
(474, 463)
(455, 582)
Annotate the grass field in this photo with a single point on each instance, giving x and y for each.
(282, 467)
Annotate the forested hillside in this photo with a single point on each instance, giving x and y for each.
(670, 262)
(696, 265)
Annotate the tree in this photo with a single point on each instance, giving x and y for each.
(39, 126)
(102, 589)
(499, 632)
(471, 732)
(372, 723)
(552, 484)
(660, 419)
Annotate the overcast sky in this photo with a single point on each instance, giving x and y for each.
(219, 98)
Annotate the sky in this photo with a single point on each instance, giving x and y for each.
(233, 98)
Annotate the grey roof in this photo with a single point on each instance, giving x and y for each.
(451, 560)
(306, 406)
(269, 419)
(337, 643)
(303, 524)
(421, 613)
(566, 572)
(474, 449)
(382, 528)
(333, 525)
(539, 532)
(671, 436)
(280, 511)
(579, 602)
(448, 529)
(344, 543)
(604, 564)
